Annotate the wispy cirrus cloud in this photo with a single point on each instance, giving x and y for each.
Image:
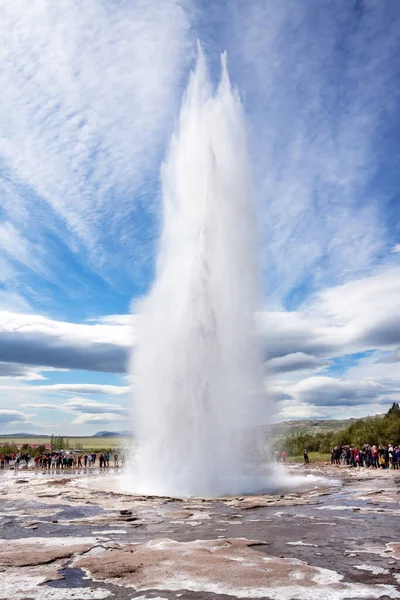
(12, 301)
(19, 249)
(81, 117)
(321, 86)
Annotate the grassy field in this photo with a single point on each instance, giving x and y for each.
(110, 443)
(75, 443)
(313, 456)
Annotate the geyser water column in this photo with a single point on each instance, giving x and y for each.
(197, 369)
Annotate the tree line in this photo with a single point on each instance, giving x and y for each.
(58, 442)
(372, 430)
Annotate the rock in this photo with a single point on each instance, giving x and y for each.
(31, 525)
(178, 514)
(30, 555)
(229, 565)
(62, 481)
(125, 512)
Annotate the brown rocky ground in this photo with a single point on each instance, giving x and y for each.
(65, 538)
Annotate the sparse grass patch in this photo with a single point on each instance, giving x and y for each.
(313, 456)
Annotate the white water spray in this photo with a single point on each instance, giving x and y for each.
(197, 369)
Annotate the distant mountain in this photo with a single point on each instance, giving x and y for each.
(111, 433)
(23, 435)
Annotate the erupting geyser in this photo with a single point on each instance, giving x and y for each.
(197, 369)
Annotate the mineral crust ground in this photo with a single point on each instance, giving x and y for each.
(76, 537)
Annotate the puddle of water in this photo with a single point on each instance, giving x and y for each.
(72, 578)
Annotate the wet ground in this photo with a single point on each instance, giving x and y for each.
(78, 537)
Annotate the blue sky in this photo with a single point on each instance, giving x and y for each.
(90, 98)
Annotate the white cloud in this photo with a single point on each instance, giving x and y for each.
(41, 406)
(389, 357)
(81, 388)
(298, 361)
(94, 419)
(330, 391)
(396, 248)
(7, 272)
(21, 372)
(353, 317)
(123, 320)
(9, 417)
(319, 95)
(80, 405)
(19, 248)
(37, 340)
(85, 405)
(358, 316)
(12, 301)
(89, 94)
(289, 410)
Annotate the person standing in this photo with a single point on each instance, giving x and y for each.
(374, 457)
(305, 454)
(397, 456)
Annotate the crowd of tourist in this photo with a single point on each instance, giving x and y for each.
(61, 460)
(385, 456)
